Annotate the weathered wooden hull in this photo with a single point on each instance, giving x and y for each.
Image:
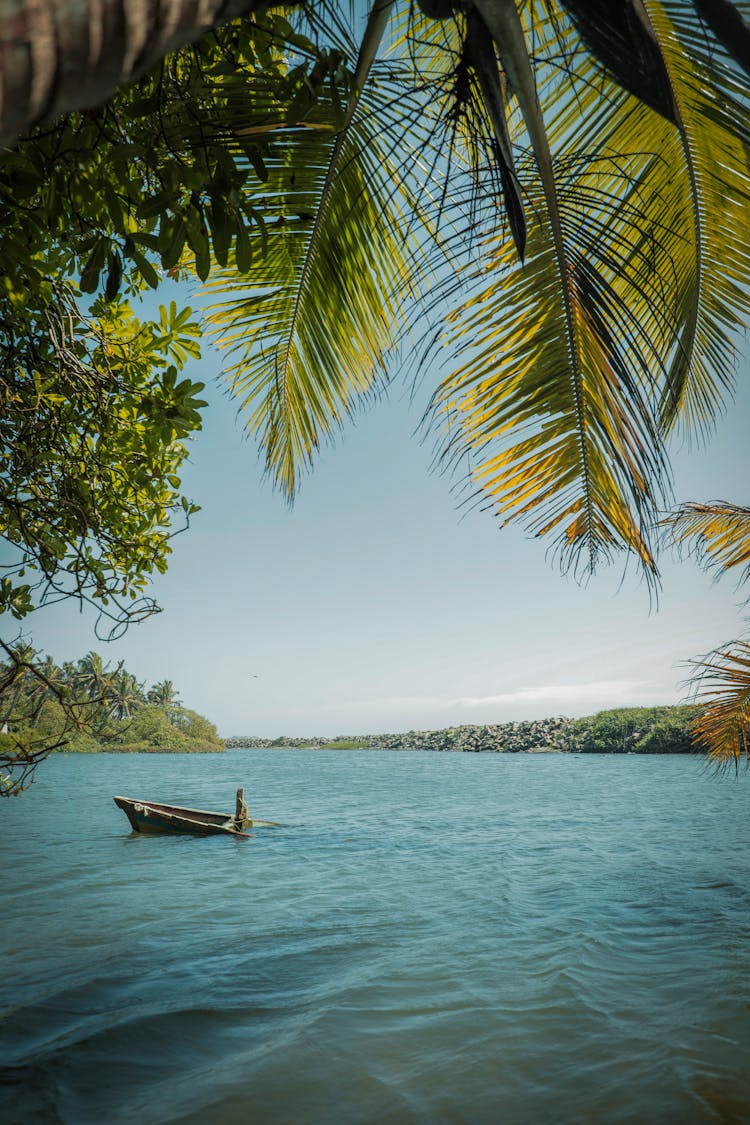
(150, 817)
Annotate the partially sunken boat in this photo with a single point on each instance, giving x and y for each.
(149, 816)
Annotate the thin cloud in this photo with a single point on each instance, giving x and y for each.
(606, 692)
(560, 693)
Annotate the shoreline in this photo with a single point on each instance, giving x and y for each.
(636, 730)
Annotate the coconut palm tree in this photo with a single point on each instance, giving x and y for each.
(164, 695)
(47, 685)
(93, 676)
(582, 288)
(15, 681)
(558, 192)
(124, 694)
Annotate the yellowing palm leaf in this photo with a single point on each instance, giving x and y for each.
(723, 727)
(719, 534)
(574, 365)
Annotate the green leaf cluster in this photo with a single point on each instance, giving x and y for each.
(96, 412)
(124, 192)
(633, 730)
(93, 422)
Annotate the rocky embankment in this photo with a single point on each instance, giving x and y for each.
(533, 736)
(622, 730)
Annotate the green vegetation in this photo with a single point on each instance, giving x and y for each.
(633, 730)
(88, 706)
(95, 209)
(718, 535)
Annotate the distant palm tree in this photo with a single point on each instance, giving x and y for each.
(163, 694)
(69, 674)
(15, 680)
(48, 682)
(92, 675)
(124, 694)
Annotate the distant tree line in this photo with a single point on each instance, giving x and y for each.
(87, 705)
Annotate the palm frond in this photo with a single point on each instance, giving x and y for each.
(556, 425)
(621, 324)
(722, 682)
(622, 38)
(553, 401)
(480, 56)
(333, 273)
(718, 533)
(561, 375)
(729, 26)
(711, 104)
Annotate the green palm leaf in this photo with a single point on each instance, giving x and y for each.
(620, 324)
(554, 402)
(710, 97)
(334, 270)
(559, 377)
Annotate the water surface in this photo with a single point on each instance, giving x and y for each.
(433, 938)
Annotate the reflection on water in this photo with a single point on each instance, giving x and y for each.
(433, 938)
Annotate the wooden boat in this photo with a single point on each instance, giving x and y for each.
(150, 816)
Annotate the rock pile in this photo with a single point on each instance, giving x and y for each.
(532, 736)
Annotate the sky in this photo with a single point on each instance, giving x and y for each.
(378, 604)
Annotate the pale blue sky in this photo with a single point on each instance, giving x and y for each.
(376, 605)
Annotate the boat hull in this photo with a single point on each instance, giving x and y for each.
(152, 818)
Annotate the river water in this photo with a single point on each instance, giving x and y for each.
(432, 938)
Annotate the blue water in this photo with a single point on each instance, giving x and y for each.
(433, 938)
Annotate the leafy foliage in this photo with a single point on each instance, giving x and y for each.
(95, 209)
(119, 192)
(633, 730)
(336, 264)
(719, 534)
(90, 480)
(557, 378)
(577, 362)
